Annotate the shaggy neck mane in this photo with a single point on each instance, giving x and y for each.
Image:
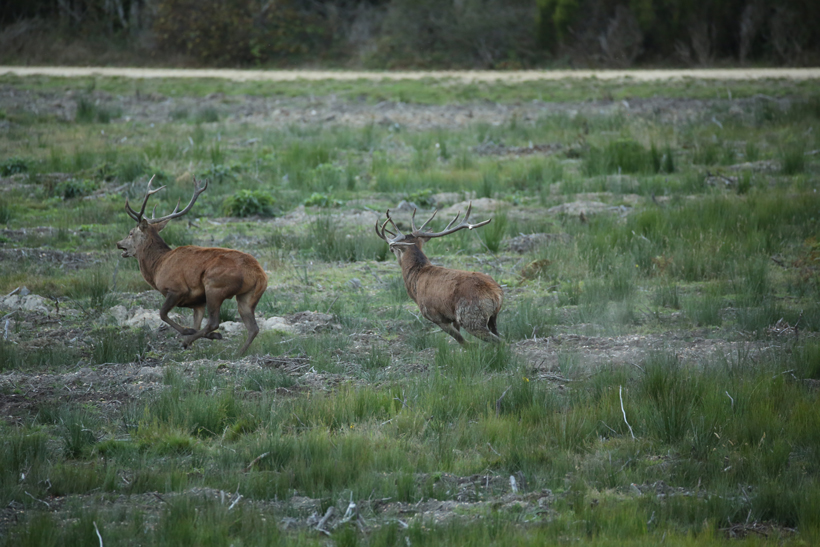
(151, 254)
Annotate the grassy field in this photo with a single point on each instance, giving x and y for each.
(659, 377)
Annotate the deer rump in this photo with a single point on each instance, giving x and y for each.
(455, 298)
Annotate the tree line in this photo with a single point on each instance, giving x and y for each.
(436, 33)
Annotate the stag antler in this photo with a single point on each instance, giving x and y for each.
(448, 230)
(417, 232)
(383, 230)
(138, 216)
(176, 212)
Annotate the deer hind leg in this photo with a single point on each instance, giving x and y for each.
(199, 314)
(171, 300)
(452, 330)
(478, 324)
(246, 304)
(214, 303)
(493, 325)
(484, 334)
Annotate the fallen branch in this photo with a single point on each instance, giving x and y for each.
(256, 460)
(498, 402)
(620, 394)
(232, 505)
(323, 521)
(37, 499)
(98, 533)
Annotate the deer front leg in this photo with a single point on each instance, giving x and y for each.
(171, 300)
(199, 313)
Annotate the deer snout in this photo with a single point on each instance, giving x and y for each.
(123, 248)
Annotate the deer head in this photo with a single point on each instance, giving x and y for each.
(147, 230)
(400, 242)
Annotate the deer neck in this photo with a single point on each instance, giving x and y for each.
(413, 264)
(151, 256)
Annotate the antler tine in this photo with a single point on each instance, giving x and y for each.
(460, 226)
(176, 212)
(381, 232)
(148, 194)
(454, 220)
(426, 222)
(130, 212)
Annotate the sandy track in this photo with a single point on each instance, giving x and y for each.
(465, 76)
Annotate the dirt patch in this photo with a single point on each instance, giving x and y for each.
(273, 111)
(63, 259)
(587, 353)
(461, 75)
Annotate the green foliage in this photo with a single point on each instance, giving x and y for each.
(13, 166)
(238, 31)
(5, 211)
(493, 234)
(624, 156)
(674, 394)
(331, 243)
(120, 346)
(422, 198)
(75, 188)
(90, 111)
(76, 431)
(206, 115)
(793, 158)
(527, 318)
(245, 203)
(322, 200)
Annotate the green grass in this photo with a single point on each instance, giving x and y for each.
(687, 309)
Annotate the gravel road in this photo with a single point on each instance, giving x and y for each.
(466, 75)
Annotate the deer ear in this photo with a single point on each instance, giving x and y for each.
(143, 224)
(160, 225)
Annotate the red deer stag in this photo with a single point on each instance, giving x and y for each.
(449, 298)
(194, 277)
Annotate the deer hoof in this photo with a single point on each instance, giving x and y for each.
(214, 336)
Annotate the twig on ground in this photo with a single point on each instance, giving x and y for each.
(256, 460)
(498, 402)
(620, 394)
(98, 532)
(321, 525)
(609, 428)
(232, 505)
(331, 304)
(37, 499)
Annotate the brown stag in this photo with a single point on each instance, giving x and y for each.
(449, 298)
(194, 277)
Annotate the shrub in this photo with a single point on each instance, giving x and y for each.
(246, 203)
(321, 200)
(624, 156)
(74, 188)
(422, 198)
(238, 31)
(5, 212)
(13, 166)
(493, 234)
